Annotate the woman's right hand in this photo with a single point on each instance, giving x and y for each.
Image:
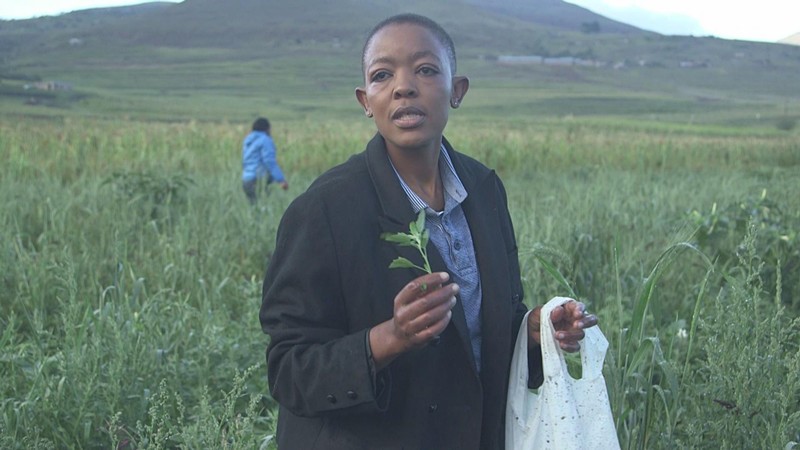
(422, 310)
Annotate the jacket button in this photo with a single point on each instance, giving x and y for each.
(436, 341)
(433, 407)
(331, 398)
(352, 395)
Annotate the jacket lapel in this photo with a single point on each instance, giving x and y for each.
(481, 211)
(394, 203)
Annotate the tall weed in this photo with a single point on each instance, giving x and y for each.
(746, 384)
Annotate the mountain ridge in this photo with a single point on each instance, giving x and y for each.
(169, 59)
(238, 23)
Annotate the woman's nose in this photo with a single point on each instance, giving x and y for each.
(404, 86)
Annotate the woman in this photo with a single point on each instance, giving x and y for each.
(366, 357)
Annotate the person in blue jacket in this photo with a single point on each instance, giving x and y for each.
(259, 160)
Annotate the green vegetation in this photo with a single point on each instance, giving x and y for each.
(665, 197)
(131, 268)
(416, 237)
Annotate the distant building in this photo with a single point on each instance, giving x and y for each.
(52, 86)
(548, 61)
(693, 64)
(76, 42)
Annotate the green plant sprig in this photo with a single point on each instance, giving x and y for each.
(416, 237)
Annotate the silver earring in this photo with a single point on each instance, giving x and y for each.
(368, 113)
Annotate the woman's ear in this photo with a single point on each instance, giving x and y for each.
(460, 88)
(361, 96)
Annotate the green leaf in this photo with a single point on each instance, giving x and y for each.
(556, 274)
(645, 296)
(417, 237)
(398, 238)
(420, 220)
(403, 263)
(423, 241)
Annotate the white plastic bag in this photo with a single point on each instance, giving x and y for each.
(566, 413)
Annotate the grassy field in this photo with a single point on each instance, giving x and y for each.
(131, 267)
(664, 197)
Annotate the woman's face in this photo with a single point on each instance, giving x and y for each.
(409, 87)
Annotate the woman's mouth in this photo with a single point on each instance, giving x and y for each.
(408, 117)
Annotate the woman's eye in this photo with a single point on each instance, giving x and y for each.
(380, 76)
(428, 70)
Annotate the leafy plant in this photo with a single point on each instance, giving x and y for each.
(541, 253)
(155, 192)
(722, 229)
(644, 385)
(416, 237)
(748, 386)
(158, 188)
(231, 423)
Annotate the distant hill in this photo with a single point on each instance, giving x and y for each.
(243, 29)
(555, 13)
(209, 57)
(248, 23)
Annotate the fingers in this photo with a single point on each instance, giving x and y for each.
(569, 321)
(569, 341)
(569, 311)
(423, 308)
(587, 321)
(420, 287)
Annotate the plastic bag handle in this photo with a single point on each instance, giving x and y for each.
(593, 347)
(518, 376)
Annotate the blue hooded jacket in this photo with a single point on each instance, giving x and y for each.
(259, 159)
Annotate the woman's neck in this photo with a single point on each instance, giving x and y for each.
(419, 168)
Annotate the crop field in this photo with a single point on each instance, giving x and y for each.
(131, 268)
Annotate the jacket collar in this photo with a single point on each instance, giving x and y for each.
(393, 200)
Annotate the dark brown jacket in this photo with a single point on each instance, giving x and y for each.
(328, 282)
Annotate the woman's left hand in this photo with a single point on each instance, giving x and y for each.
(569, 321)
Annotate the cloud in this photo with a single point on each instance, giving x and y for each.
(661, 23)
(765, 20)
(648, 19)
(18, 9)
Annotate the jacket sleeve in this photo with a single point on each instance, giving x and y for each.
(316, 365)
(269, 159)
(535, 370)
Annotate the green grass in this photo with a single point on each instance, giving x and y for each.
(315, 79)
(131, 263)
(131, 267)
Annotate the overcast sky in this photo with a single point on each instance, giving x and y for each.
(762, 20)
